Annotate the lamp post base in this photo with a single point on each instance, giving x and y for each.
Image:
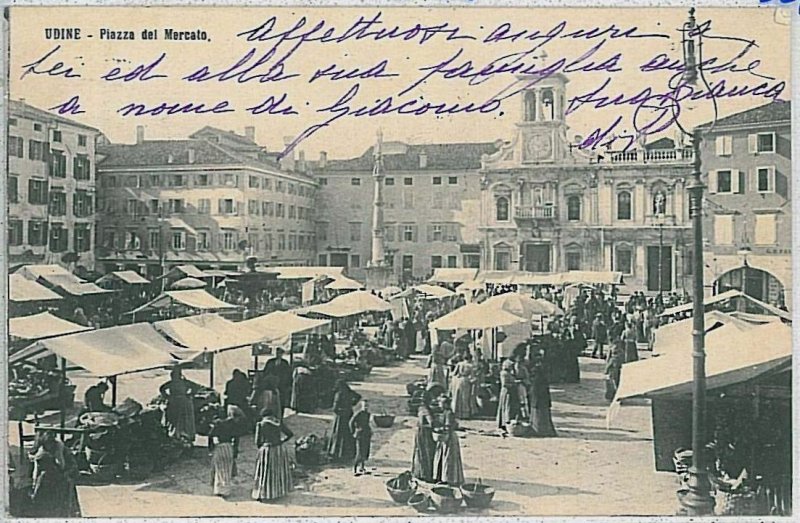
(379, 277)
(696, 500)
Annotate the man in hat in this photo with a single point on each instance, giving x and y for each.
(600, 335)
(282, 370)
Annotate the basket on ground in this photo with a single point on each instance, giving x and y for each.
(383, 421)
(401, 488)
(477, 495)
(419, 502)
(445, 499)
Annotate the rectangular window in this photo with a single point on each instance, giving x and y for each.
(225, 206)
(766, 232)
(229, 179)
(37, 127)
(82, 204)
(254, 182)
(58, 164)
(761, 143)
(452, 261)
(355, 232)
(132, 207)
(409, 233)
(253, 207)
(16, 146)
(13, 189)
(724, 145)
(723, 229)
(452, 180)
(765, 179)
(279, 186)
(56, 136)
(132, 242)
(266, 184)
(228, 241)
(130, 181)
(408, 181)
(279, 210)
(176, 206)
(12, 122)
(155, 180)
(59, 237)
(153, 239)
(153, 206)
(37, 192)
(355, 181)
(437, 233)
(267, 209)
(37, 232)
(178, 240)
(81, 167)
(177, 180)
(724, 182)
(323, 181)
(281, 242)
(36, 150)
(437, 180)
(623, 261)
(436, 262)
(389, 181)
(204, 206)
(15, 232)
(573, 261)
(58, 203)
(202, 180)
(292, 212)
(81, 140)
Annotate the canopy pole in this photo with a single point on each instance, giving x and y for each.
(113, 380)
(61, 398)
(211, 370)
(21, 432)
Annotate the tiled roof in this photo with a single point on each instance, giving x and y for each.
(238, 138)
(439, 157)
(158, 152)
(777, 111)
(24, 110)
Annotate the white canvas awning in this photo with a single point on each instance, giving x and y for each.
(129, 277)
(42, 325)
(468, 286)
(476, 316)
(732, 357)
(343, 283)
(277, 327)
(208, 332)
(711, 300)
(449, 275)
(351, 304)
(301, 273)
(197, 299)
(112, 351)
(678, 335)
(521, 305)
(592, 277)
(21, 290)
(188, 283)
(82, 289)
(434, 291)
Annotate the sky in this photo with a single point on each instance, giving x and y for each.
(46, 86)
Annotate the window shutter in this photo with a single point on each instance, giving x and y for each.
(735, 182)
(219, 206)
(720, 145)
(712, 182)
(752, 143)
(415, 233)
(771, 178)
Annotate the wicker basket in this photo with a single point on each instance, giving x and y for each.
(735, 503)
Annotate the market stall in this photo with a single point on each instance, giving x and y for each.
(188, 283)
(748, 378)
(174, 304)
(728, 301)
(121, 280)
(678, 335)
(452, 276)
(26, 296)
(350, 304)
(478, 317)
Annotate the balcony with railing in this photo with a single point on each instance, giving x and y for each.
(528, 213)
(651, 156)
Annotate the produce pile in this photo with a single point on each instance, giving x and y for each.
(31, 389)
(310, 450)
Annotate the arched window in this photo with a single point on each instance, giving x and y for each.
(501, 209)
(530, 106)
(659, 203)
(548, 104)
(624, 207)
(574, 208)
(623, 261)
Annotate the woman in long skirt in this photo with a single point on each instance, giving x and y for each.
(424, 446)
(222, 457)
(179, 415)
(541, 418)
(463, 388)
(273, 474)
(362, 434)
(342, 446)
(266, 395)
(508, 403)
(447, 465)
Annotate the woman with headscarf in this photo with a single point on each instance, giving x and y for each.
(424, 446)
(508, 403)
(463, 388)
(447, 465)
(223, 460)
(179, 415)
(238, 390)
(273, 471)
(362, 434)
(342, 446)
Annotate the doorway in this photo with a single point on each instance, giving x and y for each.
(339, 259)
(537, 257)
(408, 267)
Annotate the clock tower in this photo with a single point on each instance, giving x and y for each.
(542, 126)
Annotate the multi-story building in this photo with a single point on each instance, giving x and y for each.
(550, 205)
(431, 200)
(211, 200)
(51, 188)
(748, 218)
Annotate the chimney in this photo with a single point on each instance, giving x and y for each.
(301, 161)
(250, 133)
(423, 160)
(287, 160)
(139, 133)
(323, 159)
(191, 155)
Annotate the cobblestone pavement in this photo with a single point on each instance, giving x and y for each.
(587, 470)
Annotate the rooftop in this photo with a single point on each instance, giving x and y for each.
(398, 156)
(776, 111)
(21, 109)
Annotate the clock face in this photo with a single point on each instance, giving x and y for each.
(539, 146)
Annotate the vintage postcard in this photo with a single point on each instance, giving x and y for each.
(383, 261)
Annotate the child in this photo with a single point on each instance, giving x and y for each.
(360, 428)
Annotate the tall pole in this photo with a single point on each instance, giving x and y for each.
(378, 250)
(697, 501)
(660, 258)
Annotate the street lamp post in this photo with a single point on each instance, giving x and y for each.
(697, 501)
(660, 258)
